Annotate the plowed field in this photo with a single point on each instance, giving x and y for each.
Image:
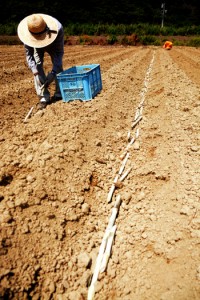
(56, 171)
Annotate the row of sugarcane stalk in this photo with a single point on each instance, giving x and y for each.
(105, 249)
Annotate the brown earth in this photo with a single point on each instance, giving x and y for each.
(56, 171)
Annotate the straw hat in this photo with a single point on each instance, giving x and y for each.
(37, 30)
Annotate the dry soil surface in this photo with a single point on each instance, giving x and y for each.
(57, 169)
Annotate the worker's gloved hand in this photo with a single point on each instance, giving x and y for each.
(50, 78)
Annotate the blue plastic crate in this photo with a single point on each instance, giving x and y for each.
(80, 82)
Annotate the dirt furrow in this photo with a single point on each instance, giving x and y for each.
(150, 236)
(189, 63)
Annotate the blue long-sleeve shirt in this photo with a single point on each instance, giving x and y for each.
(55, 50)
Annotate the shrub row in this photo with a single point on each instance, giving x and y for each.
(127, 40)
(115, 30)
(122, 29)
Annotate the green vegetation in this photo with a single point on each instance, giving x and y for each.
(123, 29)
(8, 29)
(140, 29)
(194, 42)
(147, 34)
(112, 39)
(148, 40)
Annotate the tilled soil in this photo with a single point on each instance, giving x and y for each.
(57, 169)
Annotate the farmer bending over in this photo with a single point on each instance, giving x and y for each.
(41, 33)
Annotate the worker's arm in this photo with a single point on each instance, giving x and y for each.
(30, 59)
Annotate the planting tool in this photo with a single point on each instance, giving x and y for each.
(28, 115)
